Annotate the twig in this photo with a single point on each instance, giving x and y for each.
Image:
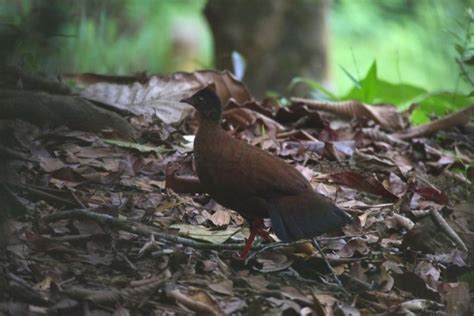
(278, 245)
(316, 243)
(448, 229)
(112, 296)
(45, 195)
(124, 225)
(127, 261)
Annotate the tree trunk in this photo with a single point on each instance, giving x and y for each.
(279, 39)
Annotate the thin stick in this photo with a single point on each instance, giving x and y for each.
(448, 229)
(124, 225)
(278, 245)
(316, 243)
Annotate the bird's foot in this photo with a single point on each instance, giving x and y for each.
(257, 227)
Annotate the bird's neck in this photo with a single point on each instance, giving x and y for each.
(209, 123)
(208, 130)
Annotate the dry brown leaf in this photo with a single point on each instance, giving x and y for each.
(224, 287)
(323, 304)
(220, 218)
(160, 95)
(387, 116)
(460, 117)
(242, 118)
(458, 299)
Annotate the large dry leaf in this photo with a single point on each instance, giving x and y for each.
(159, 95)
(460, 117)
(387, 116)
(363, 183)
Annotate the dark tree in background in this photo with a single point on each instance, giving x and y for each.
(279, 39)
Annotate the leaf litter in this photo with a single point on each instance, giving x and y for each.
(105, 225)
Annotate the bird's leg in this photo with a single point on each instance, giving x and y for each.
(257, 227)
(249, 242)
(261, 230)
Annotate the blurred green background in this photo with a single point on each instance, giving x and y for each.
(412, 41)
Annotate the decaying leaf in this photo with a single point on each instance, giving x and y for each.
(159, 95)
(201, 233)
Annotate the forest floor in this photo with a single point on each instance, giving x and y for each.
(105, 225)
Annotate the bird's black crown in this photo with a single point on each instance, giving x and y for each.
(207, 103)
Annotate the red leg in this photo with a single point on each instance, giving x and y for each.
(260, 229)
(264, 234)
(257, 227)
(249, 242)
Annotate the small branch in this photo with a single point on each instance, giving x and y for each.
(316, 243)
(124, 225)
(458, 118)
(448, 229)
(279, 245)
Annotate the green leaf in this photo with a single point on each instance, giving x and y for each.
(374, 90)
(351, 77)
(313, 85)
(419, 117)
(459, 48)
(139, 147)
(205, 234)
(440, 104)
(456, 35)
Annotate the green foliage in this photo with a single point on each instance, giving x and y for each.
(373, 90)
(409, 40)
(465, 49)
(440, 103)
(113, 37)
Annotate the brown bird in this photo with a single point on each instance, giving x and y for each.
(256, 184)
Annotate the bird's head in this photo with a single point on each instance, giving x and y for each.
(207, 103)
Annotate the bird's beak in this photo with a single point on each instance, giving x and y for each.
(187, 100)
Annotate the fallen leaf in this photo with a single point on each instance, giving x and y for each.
(224, 287)
(202, 233)
(220, 218)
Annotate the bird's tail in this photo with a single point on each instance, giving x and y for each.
(295, 218)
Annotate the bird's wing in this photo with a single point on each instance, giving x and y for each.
(249, 171)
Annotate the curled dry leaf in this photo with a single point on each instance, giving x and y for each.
(460, 117)
(272, 261)
(242, 118)
(400, 221)
(363, 183)
(220, 218)
(159, 95)
(224, 287)
(433, 194)
(387, 116)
